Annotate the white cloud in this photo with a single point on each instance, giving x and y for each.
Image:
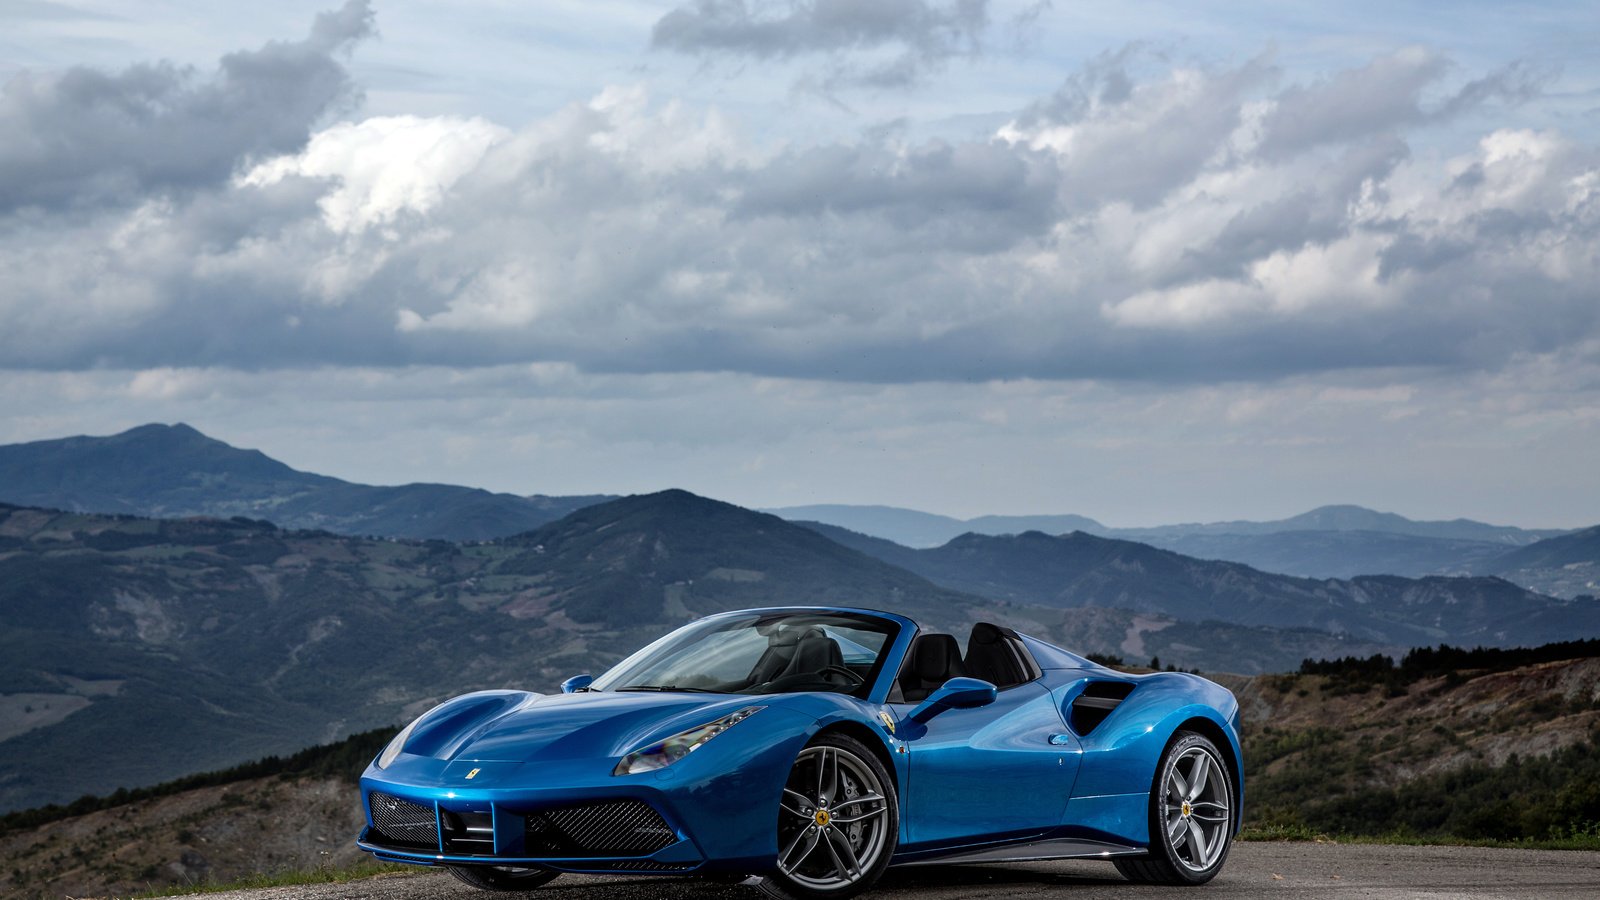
(384, 166)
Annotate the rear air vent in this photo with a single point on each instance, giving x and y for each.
(1091, 707)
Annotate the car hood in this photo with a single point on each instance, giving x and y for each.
(530, 727)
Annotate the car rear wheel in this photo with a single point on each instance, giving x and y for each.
(503, 878)
(838, 822)
(1192, 815)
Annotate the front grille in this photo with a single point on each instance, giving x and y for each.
(404, 823)
(468, 833)
(619, 828)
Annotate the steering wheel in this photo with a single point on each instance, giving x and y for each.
(850, 675)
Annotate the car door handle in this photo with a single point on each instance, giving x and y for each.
(1060, 740)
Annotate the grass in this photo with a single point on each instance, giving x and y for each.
(1581, 840)
(286, 879)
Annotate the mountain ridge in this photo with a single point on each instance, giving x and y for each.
(173, 471)
(1084, 570)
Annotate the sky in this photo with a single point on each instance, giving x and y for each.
(1138, 261)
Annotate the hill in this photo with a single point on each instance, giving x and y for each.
(914, 528)
(1327, 542)
(1331, 554)
(270, 816)
(174, 471)
(195, 644)
(1082, 570)
(1563, 566)
(1346, 517)
(1481, 751)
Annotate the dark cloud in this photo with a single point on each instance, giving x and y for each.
(84, 137)
(922, 34)
(1385, 95)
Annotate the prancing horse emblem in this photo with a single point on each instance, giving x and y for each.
(473, 774)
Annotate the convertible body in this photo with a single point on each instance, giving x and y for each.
(1014, 749)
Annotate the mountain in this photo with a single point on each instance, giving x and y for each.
(134, 650)
(1355, 518)
(915, 528)
(1082, 570)
(1327, 542)
(175, 471)
(1564, 566)
(1331, 554)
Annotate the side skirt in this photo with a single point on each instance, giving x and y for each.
(1056, 848)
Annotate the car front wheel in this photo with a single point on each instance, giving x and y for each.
(838, 823)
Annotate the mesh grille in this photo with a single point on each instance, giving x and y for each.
(621, 828)
(404, 822)
(641, 865)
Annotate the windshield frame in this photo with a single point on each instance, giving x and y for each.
(898, 632)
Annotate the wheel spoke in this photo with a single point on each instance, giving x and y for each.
(1221, 818)
(844, 857)
(825, 780)
(1198, 776)
(796, 854)
(1179, 786)
(1177, 830)
(795, 803)
(1197, 844)
(1213, 803)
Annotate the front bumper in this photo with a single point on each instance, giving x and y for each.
(712, 811)
(613, 834)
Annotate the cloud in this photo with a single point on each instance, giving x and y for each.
(84, 137)
(1145, 222)
(1384, 95)
(916, 35)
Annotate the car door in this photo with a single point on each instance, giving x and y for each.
(1000, 770)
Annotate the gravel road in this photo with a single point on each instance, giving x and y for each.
(1253, 870)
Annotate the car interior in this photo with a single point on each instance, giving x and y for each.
(994, 654)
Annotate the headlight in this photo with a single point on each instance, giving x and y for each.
(665, 752)
(395, 746)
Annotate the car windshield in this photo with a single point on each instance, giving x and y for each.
(759, 653)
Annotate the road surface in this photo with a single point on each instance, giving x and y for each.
(1254, 870)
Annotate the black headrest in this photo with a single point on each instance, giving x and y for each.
(985, 633)
(935, 656)
(788, 637)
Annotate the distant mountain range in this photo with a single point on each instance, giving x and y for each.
(1328, 542)
(173, 470)
(1564, 566)
(1082, 570)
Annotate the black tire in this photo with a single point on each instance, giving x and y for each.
(803, 881)
(503, 878)
(1187, 846)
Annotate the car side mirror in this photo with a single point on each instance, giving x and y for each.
(957, 693)
(576, 683)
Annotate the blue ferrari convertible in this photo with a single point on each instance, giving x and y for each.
(811, 749)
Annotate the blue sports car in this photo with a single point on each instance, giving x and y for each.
(812, 748)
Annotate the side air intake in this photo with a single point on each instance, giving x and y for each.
(1091, 707)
